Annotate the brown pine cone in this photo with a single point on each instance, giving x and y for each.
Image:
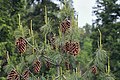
(72, 48)
(51, 39)
(67, 65)
(37, 66)
(21, 45)
(25, 74)
(48, 64)
(13, 75)
(94, 69)
(65, 25)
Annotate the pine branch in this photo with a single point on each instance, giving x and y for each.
(46, 57)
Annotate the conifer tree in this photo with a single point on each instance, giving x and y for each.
(56, 57)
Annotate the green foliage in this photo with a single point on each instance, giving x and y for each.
(37, 14)
(36, 19)
(107, 13)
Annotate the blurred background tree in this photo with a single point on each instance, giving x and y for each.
(108, 15)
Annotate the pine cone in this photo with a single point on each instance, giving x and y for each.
(67, 65)
(37, 66)
(94, 69)
(65, 25)
(75, 48)
(21, 45)
(51, 39)
(13, 75)
(48, 64)
(25, 74)
(72, 47)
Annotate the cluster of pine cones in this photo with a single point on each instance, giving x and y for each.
(70, 47)
(21, 44)
(14, 75)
